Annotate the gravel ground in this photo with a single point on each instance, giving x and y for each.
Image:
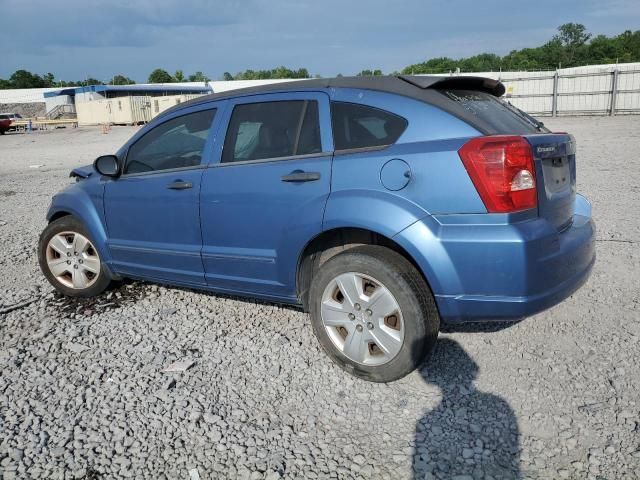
(83, 394)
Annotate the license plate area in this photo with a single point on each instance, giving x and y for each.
(557, 174)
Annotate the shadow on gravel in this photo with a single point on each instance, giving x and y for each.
(477, 327)
(470, 434)
(254, 301)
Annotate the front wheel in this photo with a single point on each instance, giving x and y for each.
(69, 259)
(373, 313)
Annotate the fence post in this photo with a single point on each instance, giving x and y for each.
(614, 92)
(554, 102)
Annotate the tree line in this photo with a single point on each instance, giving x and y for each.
(572, 46)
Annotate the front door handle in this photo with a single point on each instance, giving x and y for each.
(300, 176)
(180, 185)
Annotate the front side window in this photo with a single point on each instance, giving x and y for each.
(264, 130)
(177, 143)
(360, 126)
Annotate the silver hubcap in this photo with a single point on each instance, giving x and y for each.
(362, 319)
(73, 260)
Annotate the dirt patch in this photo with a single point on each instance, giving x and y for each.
(125, 293)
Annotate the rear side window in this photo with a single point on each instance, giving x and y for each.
(177, 143)
(496, 113)
(361, 126)
(259, 131)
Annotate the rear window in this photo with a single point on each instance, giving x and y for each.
(263, 130)
(496, 113)
(360, 126)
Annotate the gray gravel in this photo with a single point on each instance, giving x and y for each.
(83, 393)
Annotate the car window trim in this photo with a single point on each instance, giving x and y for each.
(374, 148)
(303, 113)
(272, 159)
(125, 158)
(169, 170)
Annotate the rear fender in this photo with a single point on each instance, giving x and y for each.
(422, 241)
(404, 222)
(378, 211)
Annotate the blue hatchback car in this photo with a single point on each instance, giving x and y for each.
(383, 205)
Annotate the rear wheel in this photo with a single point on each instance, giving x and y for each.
(373, 313)
(69, 259)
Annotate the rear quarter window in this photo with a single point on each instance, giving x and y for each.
(492, 111)
(360, 126)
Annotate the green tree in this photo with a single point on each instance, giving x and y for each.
(49, 80)
(278, 72)
(370, 73)
(178, 76)
(160, 76)
(121, 80)
(573, 37)
(25, 79)
(199, 77)
(91, 81)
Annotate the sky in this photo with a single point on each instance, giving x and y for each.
(75, 39)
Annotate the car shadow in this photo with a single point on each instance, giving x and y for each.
(470, 433)
(478, 327)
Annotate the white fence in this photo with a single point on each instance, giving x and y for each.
(590, 90)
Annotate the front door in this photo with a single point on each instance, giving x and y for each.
(152, 209)
(265, 196)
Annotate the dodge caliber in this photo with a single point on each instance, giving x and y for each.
(383, 206)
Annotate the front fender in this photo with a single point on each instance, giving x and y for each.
(87, 207)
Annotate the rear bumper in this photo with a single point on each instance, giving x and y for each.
(504, 271)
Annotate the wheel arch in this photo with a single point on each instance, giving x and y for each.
(79, 206)
(330, 243)
(58, 215)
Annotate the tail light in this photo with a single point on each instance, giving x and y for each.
(502, 169)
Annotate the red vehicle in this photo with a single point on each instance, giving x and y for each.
(4, 126)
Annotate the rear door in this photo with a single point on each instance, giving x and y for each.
(264, 196)
(152, 210)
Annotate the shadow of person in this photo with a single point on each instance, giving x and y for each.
(471, 434)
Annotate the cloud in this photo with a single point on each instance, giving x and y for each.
(40, 25)
(77, 38)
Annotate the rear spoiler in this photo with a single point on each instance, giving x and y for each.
(489, 85)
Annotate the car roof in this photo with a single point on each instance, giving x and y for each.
(408, 85)
(420, 87)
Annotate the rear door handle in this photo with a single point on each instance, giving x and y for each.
(180, 185)
(300, 176)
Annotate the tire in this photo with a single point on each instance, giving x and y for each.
(399, 330)
(70, 261)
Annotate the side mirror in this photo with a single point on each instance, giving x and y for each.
(107, 165)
